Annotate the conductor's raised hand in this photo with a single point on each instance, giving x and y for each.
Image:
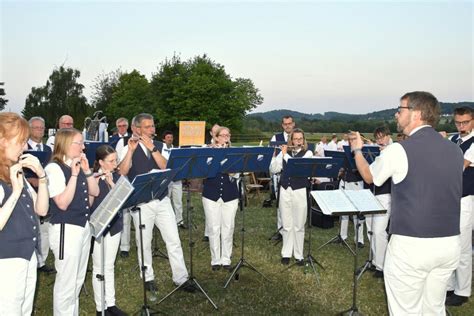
(31, 162)
(355, 140)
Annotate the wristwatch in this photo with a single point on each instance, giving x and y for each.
(154, 150)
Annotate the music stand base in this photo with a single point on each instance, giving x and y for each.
(363, 268)
(145, 310)
(242, 263)
(191, 282)
(353, 311)
(342, 241)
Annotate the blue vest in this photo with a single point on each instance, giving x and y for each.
(142, 164)
(295, 183)
(20, 235)
(78, 211)
(221, 186)
(280, 137)
(116, 225)
(385, 188)
(468, 175)
(426, 204)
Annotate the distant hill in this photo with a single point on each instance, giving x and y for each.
(386, 115)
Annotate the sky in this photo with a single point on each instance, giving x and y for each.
(307, 56)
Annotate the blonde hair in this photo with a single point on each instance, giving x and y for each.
(11, 126)
(220, 130)
(62, 142)
(299, 131)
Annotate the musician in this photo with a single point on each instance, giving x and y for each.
(122, 131)
(459, 286)
(175, 188)
(332, 145)
(343, 142)
(293, 199)
(141, 155)
(105, 166)
(35, 143)
(65, 121)
(70, 183)
(220, 199)
(288, 124)
(321, 147)
(424, 246)
(377, 223)
(19, 206)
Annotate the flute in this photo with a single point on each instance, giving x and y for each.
(98, 175)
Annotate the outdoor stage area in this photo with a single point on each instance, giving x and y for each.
(294, 291)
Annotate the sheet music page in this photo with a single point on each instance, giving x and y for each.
(333, 201)
(364, 200)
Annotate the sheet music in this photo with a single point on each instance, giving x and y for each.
(364, 200)
(333, 201)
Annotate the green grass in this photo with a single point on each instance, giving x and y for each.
(289, 292)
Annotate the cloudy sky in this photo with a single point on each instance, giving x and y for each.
(309, 56)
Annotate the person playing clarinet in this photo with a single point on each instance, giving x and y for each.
(19, 226)
(293, 201)
(70, 183)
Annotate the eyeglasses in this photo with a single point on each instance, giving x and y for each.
(79, 143)
(463, 123)
(224, 135)
(399, 109)
(67, 124)
(38, 127)
(124, 125)
(111, 161)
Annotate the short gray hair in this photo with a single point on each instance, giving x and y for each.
(36, 118)
(137, 120)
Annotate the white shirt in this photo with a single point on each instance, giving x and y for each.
(277, 162)
(392, 162)
(50, 142)
(166, 151)
(341, 144)
(332, 145)
(320, 147)
(285, 134)
(33, 144)
(57, 180)
(468, 156)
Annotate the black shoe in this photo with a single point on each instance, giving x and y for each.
(360, 245)
(124, 254)
(277, 237)
(46, 269)
(285, 261)
(151, 286)
(182, 226)
(378, 274)
(300, 262)
(216, 267)
(205, 239)
(115, 311)
(188, 287)
(449, 293)
(227, 267)
(456, 300)
(100, 313)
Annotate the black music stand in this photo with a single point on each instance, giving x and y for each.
(346, 165)
(240, 160)
(311, 168)
(147, 186)
(101, 218)
(193, 163)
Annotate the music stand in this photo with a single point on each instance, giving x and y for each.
(91, 147)
(311, 168)
(193, 163)
(240, 160)
(147, 186)
(101, 218)
(346, 165)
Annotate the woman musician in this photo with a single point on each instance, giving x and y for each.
(293, 200)
(19, 225)
(220, 198)
(105, 166)
(70, 183)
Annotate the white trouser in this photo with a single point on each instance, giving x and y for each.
(111, 246)
(125, 236)
(345, 218)
(416, 273)
(17, 285)
(44, 243)
(220, 221)
(276, 180)
(71, 271)
(293, 206)
(175, 193)
(377, 224)
(461, 279)
(160, 213)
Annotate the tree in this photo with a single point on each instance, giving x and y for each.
(103, 89)
(61, 95)
(130, 96)
(3, 101)
(200, 89)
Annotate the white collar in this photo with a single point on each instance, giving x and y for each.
(416, 129)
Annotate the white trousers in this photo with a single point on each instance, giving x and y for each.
(17, 285)
(160, 213)
(71, 271)
(111, 246)
(461, 279)
(345, 218)
(416, 273)
(220, 221)
(44, 243)
(175, 193)
(294, 208)
(125, 236)
(377, 224)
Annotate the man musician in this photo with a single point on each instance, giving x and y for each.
(65, 121)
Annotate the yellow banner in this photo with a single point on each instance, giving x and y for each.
(192, 133)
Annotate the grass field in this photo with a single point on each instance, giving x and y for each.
(290, 292)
